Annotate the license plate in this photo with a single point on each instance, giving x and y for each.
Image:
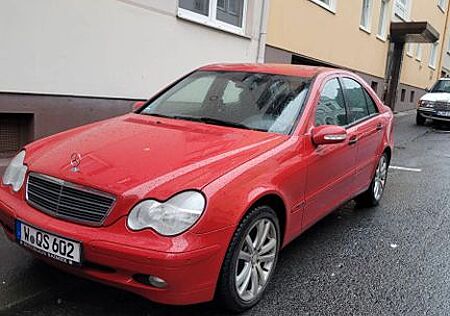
(443, 113)
(49, 245)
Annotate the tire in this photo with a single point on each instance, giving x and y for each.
(420, 120)
(243, 266)
(374, 193)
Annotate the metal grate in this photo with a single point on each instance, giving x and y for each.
(9, 134)
(67, 200)
(15, 131)
(442, 106)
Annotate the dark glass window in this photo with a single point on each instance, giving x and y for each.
(230, 11)
(359, 102)
(258, 101)
(197, 6)
(441, 86)
(331, 107)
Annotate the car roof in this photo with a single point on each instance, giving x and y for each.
(444, 79)
(276, 69)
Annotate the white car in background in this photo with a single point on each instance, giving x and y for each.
(435, 105)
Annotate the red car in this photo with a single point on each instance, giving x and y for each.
(193, 195)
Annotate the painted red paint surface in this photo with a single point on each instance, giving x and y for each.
(136, 157)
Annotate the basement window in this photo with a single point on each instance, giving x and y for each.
(374, 86)
(403, 95)
(15, 132)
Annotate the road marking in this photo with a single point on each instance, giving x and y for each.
(405, 169)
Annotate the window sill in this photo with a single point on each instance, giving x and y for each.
(419, 59)
(441, 8)
(382, 38)
(363, 28)
(323, 5)
(409, 54)
(191, 17)
(432, 67)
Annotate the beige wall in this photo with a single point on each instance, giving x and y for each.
(418, 73)
(303, 27)
(113, 48)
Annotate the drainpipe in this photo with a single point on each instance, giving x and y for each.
(444, 43)
(262, 36)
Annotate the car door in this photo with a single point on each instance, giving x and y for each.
(364, 117)
(330, 171)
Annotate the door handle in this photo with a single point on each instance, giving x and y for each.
(379, 127)
(353, 140)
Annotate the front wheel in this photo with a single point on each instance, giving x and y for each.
(250, 260)
(373, 195)
(420, 120)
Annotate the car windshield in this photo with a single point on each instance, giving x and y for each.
(441, 86)
(256, 101)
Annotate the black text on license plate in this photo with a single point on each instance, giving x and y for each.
(55, 247)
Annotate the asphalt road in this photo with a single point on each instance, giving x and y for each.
(389, 260)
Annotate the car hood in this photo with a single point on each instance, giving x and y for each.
(142, 156)
(436, 97)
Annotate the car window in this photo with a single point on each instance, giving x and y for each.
(441, 86)
(370, 103)
(356, 98)
(331, 107)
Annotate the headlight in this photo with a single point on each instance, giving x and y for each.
(169, 218)
(427, 104)
(15, 172)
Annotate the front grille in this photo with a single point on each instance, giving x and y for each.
(442, 106)
(67, 200)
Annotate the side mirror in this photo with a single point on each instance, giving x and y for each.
(137, 105)
(427, 90)
(328, 134)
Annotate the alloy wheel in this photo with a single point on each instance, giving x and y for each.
(256, 259)
(380, 178)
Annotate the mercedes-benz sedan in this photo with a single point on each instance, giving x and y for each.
(192, 195)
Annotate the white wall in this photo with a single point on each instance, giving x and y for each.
(116, 48)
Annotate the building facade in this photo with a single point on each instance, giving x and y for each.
(67, 63)
(356, 35)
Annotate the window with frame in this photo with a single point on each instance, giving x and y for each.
(419, 52)
(401, 9)
(410, 49)
(331, 106)
(359, 102)
(403, 95)
(228, 15)
(382, 23)
(448, 45)
(327, 4)
(433, 55)
(366, 14)
(442, 5)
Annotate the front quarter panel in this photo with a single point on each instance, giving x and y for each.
(280, 171)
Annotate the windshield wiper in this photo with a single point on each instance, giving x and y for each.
(206, 120)
(214, 121)
(156, 114)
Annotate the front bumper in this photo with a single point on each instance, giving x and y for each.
(434, 114)
(189, 263)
